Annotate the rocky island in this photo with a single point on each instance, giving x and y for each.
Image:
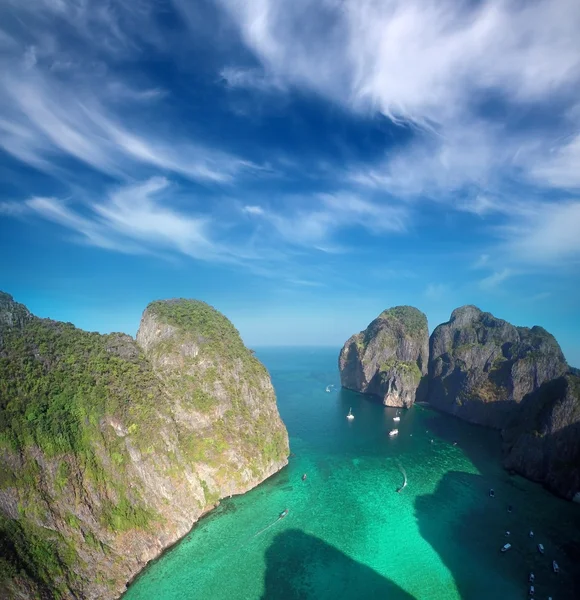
(481, 367)
(111, 448)
(389, 358)
(483, 370)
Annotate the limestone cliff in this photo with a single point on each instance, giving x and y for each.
(480, 367)
(542, 442)
(389, 358)
(111, 448)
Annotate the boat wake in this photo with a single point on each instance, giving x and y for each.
(404, 473)
(271, 524)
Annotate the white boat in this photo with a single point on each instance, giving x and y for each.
(491, 493)
(541, 548)
(531, 578)
(328, 388)
(555, 566)
(393, 432)
(350, 415)
(531, 534)
(532, 590)
(506, 547)
(396, 419)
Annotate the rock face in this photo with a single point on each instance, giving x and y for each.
(389, 358)
(542, 442)
(111, 448)
(480, 367)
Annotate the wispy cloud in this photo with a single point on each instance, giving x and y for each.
(46, 122)
(547, 236)
(135, 218)
(380, 55)
(66, 97)
(315, 224)
(250, 78)
(560, 167)
(540, 296)
(495, 279)
(459, 156)
(253, 210)
(435, 65)
(436, 291)
(481, 262)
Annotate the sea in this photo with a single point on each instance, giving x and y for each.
(349, 533)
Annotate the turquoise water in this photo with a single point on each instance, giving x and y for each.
(348, 534)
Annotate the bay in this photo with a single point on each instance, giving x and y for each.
(349, 534)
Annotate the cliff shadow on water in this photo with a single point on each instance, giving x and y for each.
(302, 567)
(460, 513)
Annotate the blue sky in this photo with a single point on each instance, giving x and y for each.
(299, 165)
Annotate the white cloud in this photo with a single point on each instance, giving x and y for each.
(252, 78)
(481, 205)
(46, 122)
(561, 166)
(410, 59)
(12, 209)
(306, 283)
(547, 236)
(436, 291)
(119, 90)
(540, 296)
(61, 96)
(493, 281)
(135, 218)
(327, 214)
(481, 262)
(29, 59)
(253, 210)
(433, 64)
(143, 218)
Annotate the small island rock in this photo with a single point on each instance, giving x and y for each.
(389, 358)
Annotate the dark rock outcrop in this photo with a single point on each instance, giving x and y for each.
(481, 367)
(542, 441)
(389, 358)
(111, 448)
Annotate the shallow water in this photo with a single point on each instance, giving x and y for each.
(349, 534)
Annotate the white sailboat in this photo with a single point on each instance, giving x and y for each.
(393, 432)
(396, 419)
(350, 415)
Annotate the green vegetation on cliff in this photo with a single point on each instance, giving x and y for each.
(410, 317)
(233, 371)
(103, 443)
(212, 331)
(57, 382)
(407, 368)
